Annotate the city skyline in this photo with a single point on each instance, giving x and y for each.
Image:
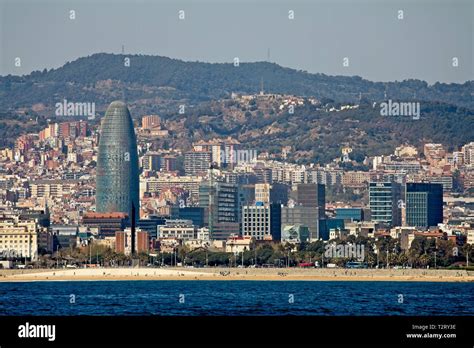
(198, 167)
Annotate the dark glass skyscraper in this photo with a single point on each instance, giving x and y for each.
(312, 195)
(117, 162)
(424, 204)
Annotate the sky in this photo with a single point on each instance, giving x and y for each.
(378, 44)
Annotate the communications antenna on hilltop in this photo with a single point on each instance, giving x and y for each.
(268, 55)
(123, 87)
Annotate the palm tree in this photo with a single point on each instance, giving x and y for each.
(424, 260)
(467, 250)
(414, 256)
(402, 259)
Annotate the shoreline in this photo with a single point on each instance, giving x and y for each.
(236, 274)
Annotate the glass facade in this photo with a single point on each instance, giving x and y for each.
(384, 199)
(424, 204)
(117, 162)
(354, 214)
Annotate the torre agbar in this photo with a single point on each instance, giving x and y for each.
(117, 162)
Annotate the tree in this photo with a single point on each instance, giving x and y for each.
(424, 260)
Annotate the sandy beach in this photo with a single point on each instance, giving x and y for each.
(280, 274)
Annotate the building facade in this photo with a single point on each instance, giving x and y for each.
(424, 204)
(385, 201)
(117, 163)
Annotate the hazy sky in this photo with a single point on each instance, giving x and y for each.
(380, 47)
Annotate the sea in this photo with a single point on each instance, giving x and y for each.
(235, 298)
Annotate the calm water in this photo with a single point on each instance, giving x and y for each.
(236, 298)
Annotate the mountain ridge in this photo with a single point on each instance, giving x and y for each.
(197, 81)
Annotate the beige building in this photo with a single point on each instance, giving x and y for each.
(179, 229)
(407, 237)
(19, 239)
(361, 228)
(262, 193)
(108, 242)
(51, 188)
(163, 182)
(239, 244)
(401, 232)
(468, 153)
(355, 179)
(194, 244)
(168, 245)
(338, 233)
(406, 151)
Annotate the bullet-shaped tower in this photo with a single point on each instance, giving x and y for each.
(117, 163)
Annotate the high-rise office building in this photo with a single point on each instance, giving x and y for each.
(301, 215)
(275, 221)
(311, 195)
(221, 205)
(279, 193)
(117, 162)
(385, 202)
(424, 204)
(256, 221)
(262, 221)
